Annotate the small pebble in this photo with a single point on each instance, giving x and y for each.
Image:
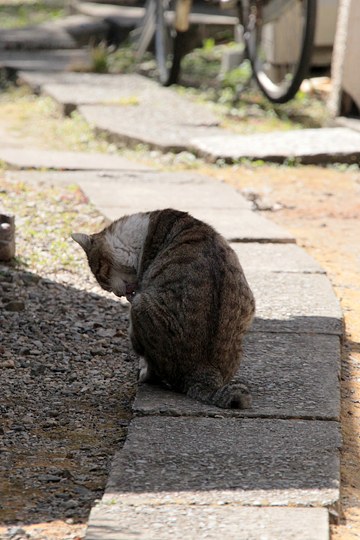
(15, 306)
(7, 364)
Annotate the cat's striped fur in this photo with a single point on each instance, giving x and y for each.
(191, 303)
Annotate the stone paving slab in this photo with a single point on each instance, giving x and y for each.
(233, 460)
(308, 145)
(256, 257)
(126, 84)
(52, 61)
(124, 111)
(289, 375)
(132, 97)
(65, 33)
(207, 199)
(50, 159)
(118, 199)
(290, 302)
(150, 189)
(153, 190)
(235, 225)
(38, 79)
(170, 126)
(43, 36)
(122, 16)
(128, 103)
(110, 520)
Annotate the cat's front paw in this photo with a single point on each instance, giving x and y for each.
(143, 371)
(147, 374)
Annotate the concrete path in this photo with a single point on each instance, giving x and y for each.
(188, 470)
(224, 521)
(331, 145)
(33, 158)
(67, 33)
(130, 109)
(57, 60)
(52, 46)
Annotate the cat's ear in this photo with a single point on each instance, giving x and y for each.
(84, 240)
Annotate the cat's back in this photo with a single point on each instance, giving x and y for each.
(172, 233)
(176, 239)
(180, 249)
(194, 302)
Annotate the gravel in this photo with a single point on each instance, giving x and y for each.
(67, 374)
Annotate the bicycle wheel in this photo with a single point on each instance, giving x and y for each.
(167, 44)
(279, 36)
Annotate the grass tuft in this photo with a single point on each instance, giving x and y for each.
(17, 14)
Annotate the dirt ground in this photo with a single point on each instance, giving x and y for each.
(321, 208)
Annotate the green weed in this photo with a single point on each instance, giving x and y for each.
(99, 58)
(20, 14)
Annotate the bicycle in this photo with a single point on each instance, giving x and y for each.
(278, 37)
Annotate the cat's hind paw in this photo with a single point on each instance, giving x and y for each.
(234, 395)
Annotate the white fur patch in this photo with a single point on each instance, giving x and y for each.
(143, 370)
(127, 239)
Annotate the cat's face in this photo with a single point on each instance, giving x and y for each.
(111, 275)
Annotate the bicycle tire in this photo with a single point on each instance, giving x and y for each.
(167, 46)
(279, 82)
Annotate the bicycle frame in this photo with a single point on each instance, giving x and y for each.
(279, 80)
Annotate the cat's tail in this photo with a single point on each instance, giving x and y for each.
(234, 395)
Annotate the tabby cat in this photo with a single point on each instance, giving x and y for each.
(190, 301)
